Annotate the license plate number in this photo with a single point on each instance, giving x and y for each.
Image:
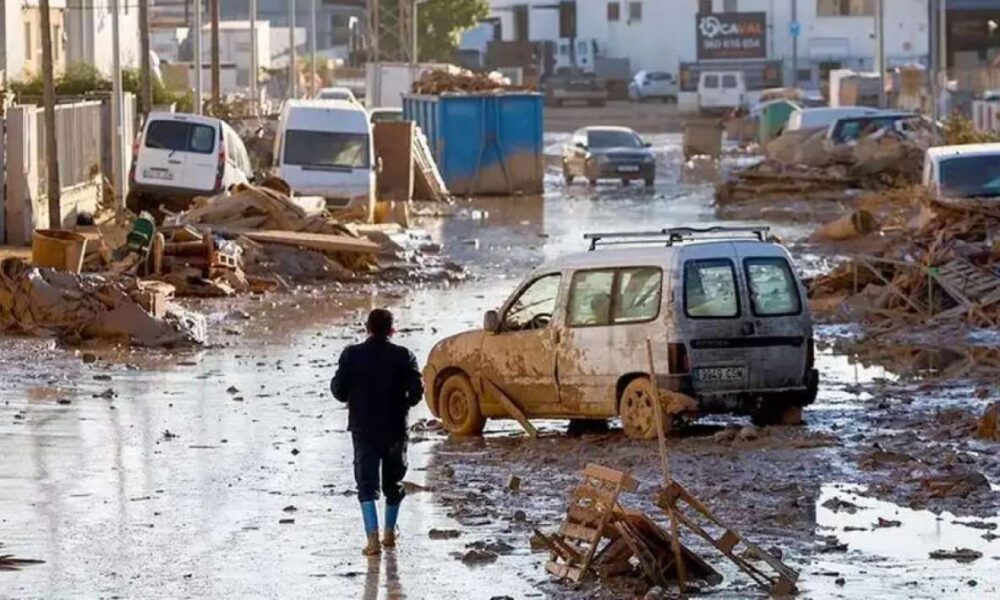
(628, 169)
(158, 174)
(716, 374)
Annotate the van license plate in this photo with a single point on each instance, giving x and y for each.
(158, 174)
(715, 374)
(628, 169)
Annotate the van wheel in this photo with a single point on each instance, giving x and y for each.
(777, 414)
(459, 407)
(637, 411)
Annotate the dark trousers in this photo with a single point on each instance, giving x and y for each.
(369, 455)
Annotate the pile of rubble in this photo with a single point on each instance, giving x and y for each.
(454, 80)
(805, 163)
(43, 301)
(942, 268)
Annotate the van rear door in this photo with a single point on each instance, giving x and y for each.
(710, 303)
(781, 328)
(178, 153)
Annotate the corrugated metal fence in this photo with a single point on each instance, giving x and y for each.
(78, 131)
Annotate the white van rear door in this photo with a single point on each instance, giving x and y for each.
(781, 327)
(712, 313)
(179, 154)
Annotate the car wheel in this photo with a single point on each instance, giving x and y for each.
(637, 411)
(777, 413)
(458, 406)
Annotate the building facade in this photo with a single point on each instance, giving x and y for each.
(88, 34)
(662, 34)
(21, 38)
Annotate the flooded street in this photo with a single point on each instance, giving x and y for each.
(227, 472)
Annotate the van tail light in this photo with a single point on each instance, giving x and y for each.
(677, 358)
(810, 354)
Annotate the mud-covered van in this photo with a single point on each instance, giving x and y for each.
(723, 308)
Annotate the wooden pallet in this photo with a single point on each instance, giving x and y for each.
(779, 583)
(651, 545)
(967, 283)
(592, 505)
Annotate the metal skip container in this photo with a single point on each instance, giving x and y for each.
(484, 144)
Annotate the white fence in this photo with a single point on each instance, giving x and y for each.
(986, 116)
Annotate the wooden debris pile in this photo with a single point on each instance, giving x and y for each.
(601, 537)
(427, 181)
(450, 81)
(946, 270)
(43, 301)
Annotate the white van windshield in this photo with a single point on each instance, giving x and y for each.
(179, 136)
(326, 149)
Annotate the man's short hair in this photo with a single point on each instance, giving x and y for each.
(379, 323)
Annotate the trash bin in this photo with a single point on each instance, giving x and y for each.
(58, 249)
(773, 117)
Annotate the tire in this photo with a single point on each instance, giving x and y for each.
(777, 413)
(592, 182)
(637, 411)
(458, 405)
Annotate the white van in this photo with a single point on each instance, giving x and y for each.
(178, 156)
(815, 118)
(720, 91)
(324, 148)
(967, 171)
(723, 309)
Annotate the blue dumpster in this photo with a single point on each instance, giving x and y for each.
(484, 144)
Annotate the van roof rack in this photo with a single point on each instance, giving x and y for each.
(672, 235)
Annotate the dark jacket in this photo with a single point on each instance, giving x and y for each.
(379, 381)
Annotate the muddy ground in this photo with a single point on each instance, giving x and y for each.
(226, 472)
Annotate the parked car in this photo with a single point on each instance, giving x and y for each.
(721, 91)
(595, 153)
(179, 156)
(574, 85)
(967, 171)
(336, 93)
(385, 114)
(724, 309)
(653, 85)
(816, 118)
(849, 129)
(324, 148)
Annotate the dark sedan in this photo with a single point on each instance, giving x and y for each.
(608, 153)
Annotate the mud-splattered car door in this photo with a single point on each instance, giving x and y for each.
(520, 357)
(610, 312)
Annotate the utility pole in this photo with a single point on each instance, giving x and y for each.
(413, 33)
(795, 42)
(880, 50)
(253, 58)
(49, 99)
(312, 49)
(293, 73)
(216, 83)
(117, 160)
(146, 97)
(197, 58)
(942, 56)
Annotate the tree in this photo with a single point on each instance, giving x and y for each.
(441, 22)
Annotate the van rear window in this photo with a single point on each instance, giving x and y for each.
(729, 81)
(179, 136)
(773, 291)
(711, 81)
(328, 149)
(710, 289)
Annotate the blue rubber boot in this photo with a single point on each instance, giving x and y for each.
(391, 514)
(370, 515)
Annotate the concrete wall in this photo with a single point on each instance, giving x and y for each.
(90, 38)
(666, 34)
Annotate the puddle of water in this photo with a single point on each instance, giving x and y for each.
(894, 561)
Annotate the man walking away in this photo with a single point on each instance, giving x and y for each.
(379, 381)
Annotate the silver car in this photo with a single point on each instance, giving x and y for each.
(723, 309)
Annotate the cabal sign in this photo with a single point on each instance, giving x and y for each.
(732, 35)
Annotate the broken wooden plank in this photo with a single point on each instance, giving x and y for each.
(511, 407)
(314, 241)
(612, 476)
(580, 532)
